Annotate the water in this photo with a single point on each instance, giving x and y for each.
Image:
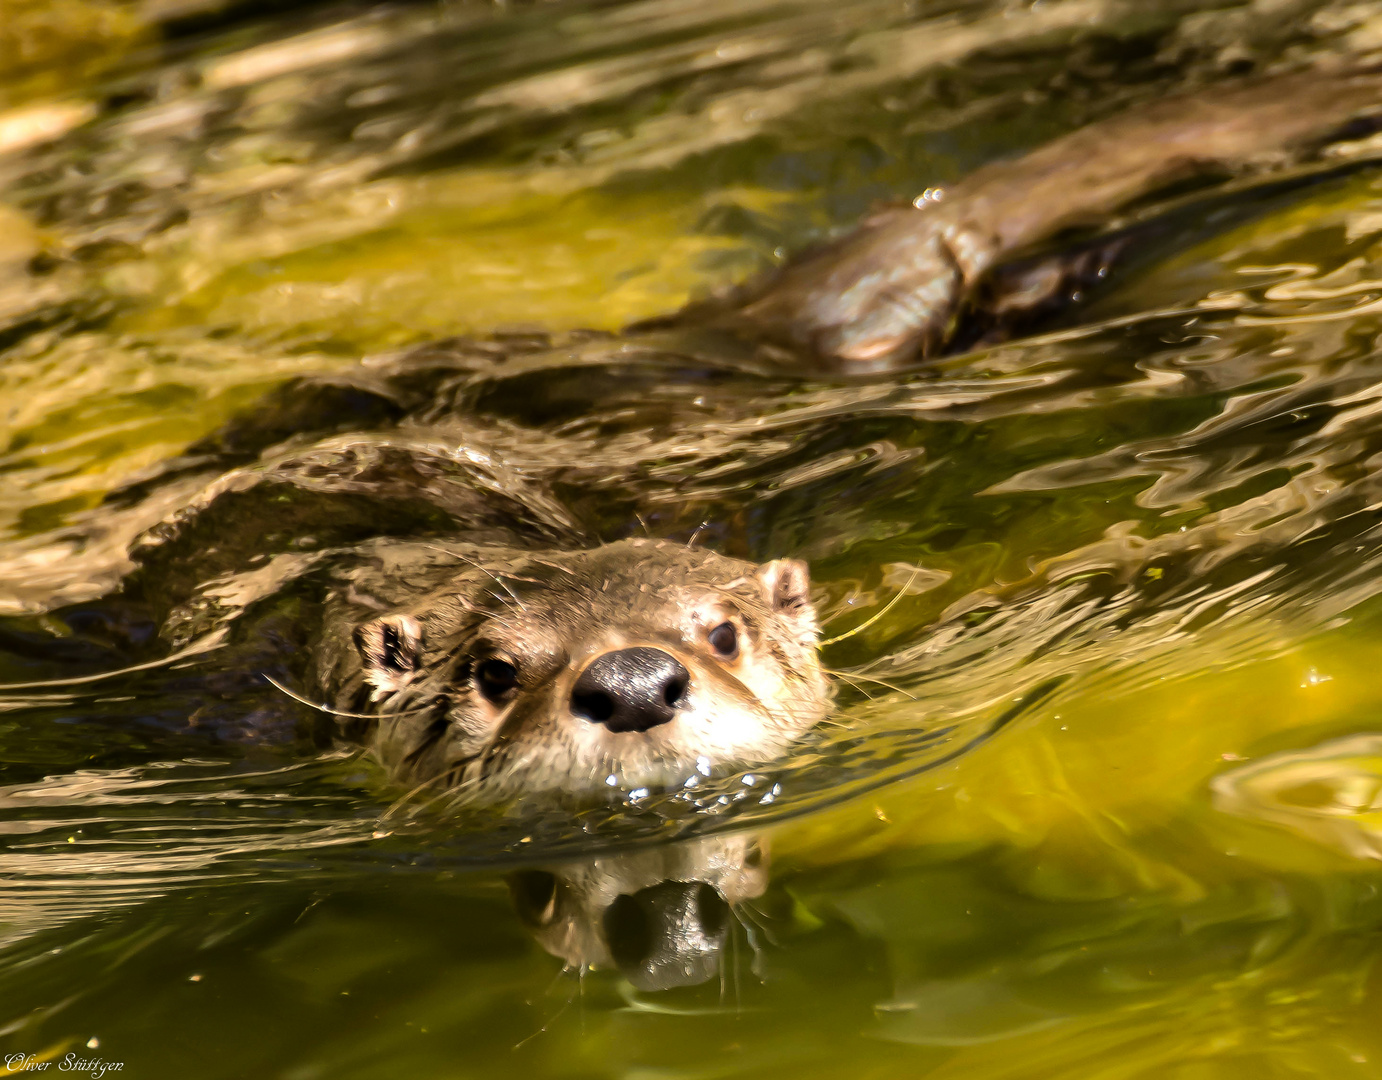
(1099, 795)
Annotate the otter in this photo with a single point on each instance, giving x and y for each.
(632, 665)
(463, 623)
(440, 609)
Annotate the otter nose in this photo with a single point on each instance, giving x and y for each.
(630, 690)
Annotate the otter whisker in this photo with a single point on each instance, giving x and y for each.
(551, 1019)
(734, 960)
(483, 569)
(500, 737)
(407, 796)
(197, 647)
(449, 782)
(696, 535)
(453, 790)
(481, 566)
(435, 730)
(752, 917)
(503, 599)
(854, 684)
(844, 607)
(850, 676)
(916, 572)
(550, 565)
(457, 792)
(338, 712)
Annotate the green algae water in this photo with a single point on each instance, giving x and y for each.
(1101, 796)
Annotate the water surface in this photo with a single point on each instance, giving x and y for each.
(1100, 794)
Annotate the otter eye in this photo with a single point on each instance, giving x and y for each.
(496, 679)
(724, 639)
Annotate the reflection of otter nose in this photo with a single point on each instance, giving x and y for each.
(631, 689)
(669, 934)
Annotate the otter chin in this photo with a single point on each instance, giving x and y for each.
(630, 665)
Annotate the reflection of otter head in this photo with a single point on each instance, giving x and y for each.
(628, 665)
(661, 916)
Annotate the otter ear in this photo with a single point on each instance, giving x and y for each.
(391, 648)
(788, 583)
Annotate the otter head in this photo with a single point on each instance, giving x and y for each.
(632, 665)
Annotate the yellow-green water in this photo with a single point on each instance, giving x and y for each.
(1148, 543)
